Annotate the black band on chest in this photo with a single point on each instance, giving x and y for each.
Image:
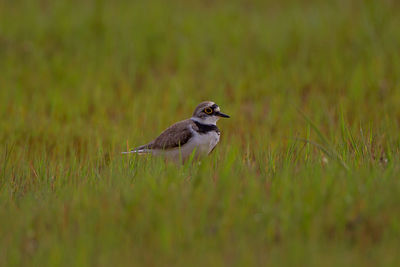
(206, 128)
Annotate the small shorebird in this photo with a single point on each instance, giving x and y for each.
(199, 133)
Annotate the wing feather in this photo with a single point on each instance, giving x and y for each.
(175, 136)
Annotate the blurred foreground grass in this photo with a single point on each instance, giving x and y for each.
(81, 81)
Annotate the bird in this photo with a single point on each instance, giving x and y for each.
(198, 135)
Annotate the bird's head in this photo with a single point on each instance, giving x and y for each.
(208, 113)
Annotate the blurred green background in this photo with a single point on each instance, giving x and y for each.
(81, 81)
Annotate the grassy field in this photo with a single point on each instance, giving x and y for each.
(81, 81)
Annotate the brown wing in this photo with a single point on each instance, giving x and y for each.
(175, 136)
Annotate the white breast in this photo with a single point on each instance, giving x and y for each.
(206, 142)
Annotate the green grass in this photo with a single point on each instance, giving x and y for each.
(307, 170)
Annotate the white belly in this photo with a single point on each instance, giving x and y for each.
(203, 144)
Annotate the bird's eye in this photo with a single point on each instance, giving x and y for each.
(208, 111)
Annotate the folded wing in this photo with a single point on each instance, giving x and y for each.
(173, 137)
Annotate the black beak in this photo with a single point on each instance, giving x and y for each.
(220, 114)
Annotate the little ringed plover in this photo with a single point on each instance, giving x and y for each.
(199, 133)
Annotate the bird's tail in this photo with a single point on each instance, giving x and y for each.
(128, 152)
(137, 151)
(145, 149)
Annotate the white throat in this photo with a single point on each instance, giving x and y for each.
(209, 120)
